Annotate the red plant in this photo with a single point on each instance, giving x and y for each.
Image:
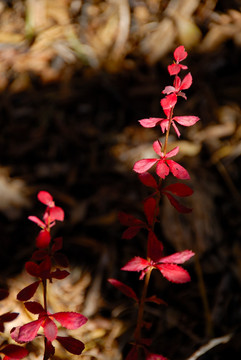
(45, 266)
(10, 351)
(169, 266)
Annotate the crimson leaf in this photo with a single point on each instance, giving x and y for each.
(72, 345)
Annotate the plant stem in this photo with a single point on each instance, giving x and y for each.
(167, 132)
(137, 334)
(44, 282)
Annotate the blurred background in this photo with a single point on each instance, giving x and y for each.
(75, 78)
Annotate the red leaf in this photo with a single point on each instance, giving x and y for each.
(9, 316)
(168, 90)
(13, 351)
(150, 123)
(142, 166)
(136, 264)
(39, 254)
(174, 273)
(173, 152)
(56, 213)
(3, 294)
(178, 189)
(45, 198)
(70, 320)
(37, 221)
(127, 290)
(186, 82)
(155, 300)
(157, 147)
(34, 307)
(129, 220)
(174, 69)
(49, 350)
(44, 268)
(154, 247)
(131, 232)
(176, 129)
(32, 268)
(43, 239)
(59, 274)
(186, 120)
(179, 207)
(151, 356)
(177, 83)
(150, 210)
(162, 169)
(143, 273)
(180, 54)
(169, 101)
(72, 345)
(178, 258)
(27, 332)
(148, 180)
(57, 244)
(177, 170)
(164, 125)
(26, 293)
(50, 330)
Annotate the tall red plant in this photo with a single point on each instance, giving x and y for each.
(168, 266)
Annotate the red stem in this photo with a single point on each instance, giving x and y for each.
(168, 131)
(44, 282)
(137, 334)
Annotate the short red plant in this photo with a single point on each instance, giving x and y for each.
(46, 265)
(168, 266)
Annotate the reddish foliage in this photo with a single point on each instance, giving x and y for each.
(43, 266)
(27, 332)
(163, 166)
(14, 352)
(51, 214)
(134, 224)
(127, 290)
(167, 265)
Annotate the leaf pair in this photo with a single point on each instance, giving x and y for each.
(134, 224)
(168, 265)
(163, 165)
(69, 320)
(170, 191)
(28, 332)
